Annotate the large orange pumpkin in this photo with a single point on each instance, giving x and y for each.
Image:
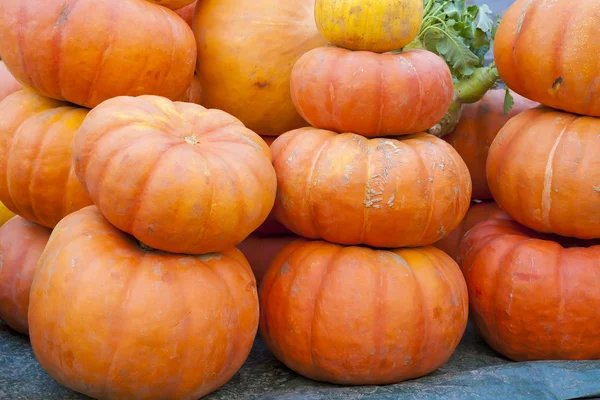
(543, 168)
(371, 94)
(246, 51)
(37, 180)
(21, 244)
(87, 51)
(353, 315)
(344, 188)
(177, 176)
(477, 212)
(113, 320)
(544, 51)
(8, 83)
(532, 296)
(478, 126)
(261, 250)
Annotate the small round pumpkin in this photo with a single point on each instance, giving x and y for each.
(21, 245)
(543, 168)
(87, 51)
(370, 25)
(347, 189)
(477, 127)
(197, 180)
(37, 180)
(477, 212)
(260, 251)
(187, 13)
(246, 51)
(544, 50)
(532, 296)
(112, 319)
(172, 4)
(353, 315)
(8, 83)
(371, 94)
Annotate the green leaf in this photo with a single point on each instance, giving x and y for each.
(456, 53)
(509, 101)
(485, 23)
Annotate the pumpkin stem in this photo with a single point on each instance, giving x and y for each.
(191, 139)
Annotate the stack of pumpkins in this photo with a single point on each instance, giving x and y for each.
(367, 300)
(130, 204)
(533, 271)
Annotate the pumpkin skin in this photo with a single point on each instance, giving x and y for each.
(261, 250)
(557, 155)
(8, 83)
(155, 326)
(246, 51)
(172, 4)
(5, 214)
(112, 47)
(417, 179)
(21, 244)
(477, 212)
(542, 51)
(353, 315)
(477, 127)
(37, 180)
(532, 295)
(197, 180)
(371, 94)
(193, 94)
(187, 13)
(371, 25)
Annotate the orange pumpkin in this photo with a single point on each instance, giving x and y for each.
(477, 212)
(87, 51)
(8, 83)
(113, 320)
(532, 296)
(479, 124)
(261, 250)
(544, 50)
(246, 51)
(21, 244)
(37, 180)
(196, 180)
(187, 13)
(344, 188)
(371, 94)
(353, 315)
(543, 168)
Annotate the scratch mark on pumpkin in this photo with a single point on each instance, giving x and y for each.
(548, 175)
(596, 188)
(209, 257)
(522, 16)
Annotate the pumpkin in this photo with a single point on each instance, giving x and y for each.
(346, 189)
(477, 127)
(21, 244)
(172, 4)
(354, 315)
(542, 51)
(5, 214)
(260, 251)
(113, 320)
(371, 94)
(193, 94)
(532, 296)
(371, 25)
(477, 212)
(246, 51)
(37, 180)
(187, 13)
(543, 168)
(197, 180)
(87, 51)
(8, 83)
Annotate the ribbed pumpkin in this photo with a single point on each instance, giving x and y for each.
(246, 51)
(178, 177)
(371, 25)
(543, 168)
(543, 50)
(37, 180)
(87, 51)
(353, 315)
(21, 244)
(344, 188)
(479, 124)
(532, 296)
(8, 83)
(113, 320)
(371, 94)
(260, 251)
(477, 212)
